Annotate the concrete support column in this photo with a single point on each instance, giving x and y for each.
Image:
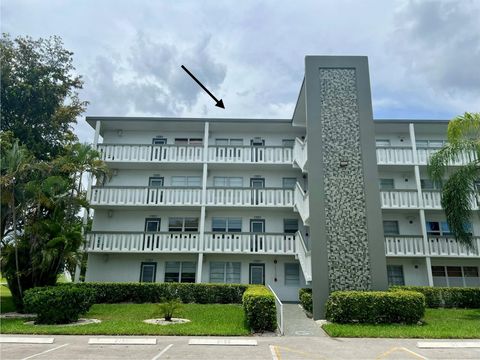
(201, 229)
(423, 223)
(98, 126)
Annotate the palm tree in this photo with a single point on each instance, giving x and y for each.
(463, 137)
(15, 164)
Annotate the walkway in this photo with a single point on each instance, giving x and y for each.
(298, 324)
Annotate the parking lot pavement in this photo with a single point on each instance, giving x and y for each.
(274, 348)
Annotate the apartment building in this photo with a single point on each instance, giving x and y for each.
(329, 198)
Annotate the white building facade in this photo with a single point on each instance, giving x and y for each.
(229, 201)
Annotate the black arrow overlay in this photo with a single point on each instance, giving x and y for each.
(219, 103)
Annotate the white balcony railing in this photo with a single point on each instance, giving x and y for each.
(304, 257)
(250, 154)
(256, 243)
(219, 196)
(302, 205)
(408, 199)
(300, 154)
(145, 196)
(394, 155)
(150, 153)
(398, 245)
(403, 155)
(142, 242)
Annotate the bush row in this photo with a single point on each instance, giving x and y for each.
(468, 297)
(58, 305)
(305, 296)
(375, 307)
(260, 309)
(155, 292)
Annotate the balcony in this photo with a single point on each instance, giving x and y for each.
(169, 242)
(264, 197)
(439, 246)
(403, 155)
(148, 153)
(145, 196)
(250, 154)
(408, 199)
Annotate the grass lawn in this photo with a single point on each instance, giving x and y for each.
(127, 319)
(438, 324)
(6, 302)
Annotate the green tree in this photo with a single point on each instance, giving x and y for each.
(463, 137)
(39, 94)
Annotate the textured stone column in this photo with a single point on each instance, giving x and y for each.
(346, 224)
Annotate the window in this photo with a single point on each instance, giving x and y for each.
(289, 183)
(430, 143)
(152, 224)
(455, 276)
(292, 274)
(159, 140)
(231, 142)
(441, 228)
(225, 272)
(433, 228)
(223, 181)
(427, 184)
(226, 224)
(187, 181)
(148, 271)
(257, 142)
(382, 142)
(290, 226)
(188, 141)
(178, 224)
(288, 143)
(390, 227)
(387, 184)
(176, 271)
(395, 275)
(155, 181)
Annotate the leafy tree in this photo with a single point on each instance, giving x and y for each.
(463, 136)
(42, 166)
(39, 95)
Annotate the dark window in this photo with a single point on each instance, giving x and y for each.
(159, 141)
(438, 271)
(290, 226)
(176, 271)
(148, 271)
(289, 183)
(152, 225)
(288, 143)
(470, 271)
(387, 184)
(226, 224)
(390, 227)
(155, 181)
(292, 274)
(395, 275)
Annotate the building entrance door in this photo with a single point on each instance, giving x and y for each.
(257, 274)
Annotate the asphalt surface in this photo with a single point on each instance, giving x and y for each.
(274, 348)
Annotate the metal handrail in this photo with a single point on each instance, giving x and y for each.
(280, 324)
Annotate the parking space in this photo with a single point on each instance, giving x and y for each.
(275, 348)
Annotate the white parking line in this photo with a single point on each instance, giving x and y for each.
(223, 342)
(44, 352)
(447, 344)
(26, 340)
(162, 352)
(122, 341)
(273, 350)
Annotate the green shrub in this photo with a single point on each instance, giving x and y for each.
(58, 304)
(167, 308)
(467, 297)
(305, 296)
(155, 292)
(260, 309)
(375, 307)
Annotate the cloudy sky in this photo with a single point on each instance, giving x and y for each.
(424, 55)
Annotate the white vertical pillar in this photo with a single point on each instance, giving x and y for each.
(423, 225)
(98, 125)
(201, 229)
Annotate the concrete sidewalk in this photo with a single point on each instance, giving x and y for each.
(298, 324)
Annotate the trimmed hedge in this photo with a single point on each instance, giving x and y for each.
(260, 309)
(58, 304)
(467, 297)
(375, 307)
(156, 292)
(305, 296)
